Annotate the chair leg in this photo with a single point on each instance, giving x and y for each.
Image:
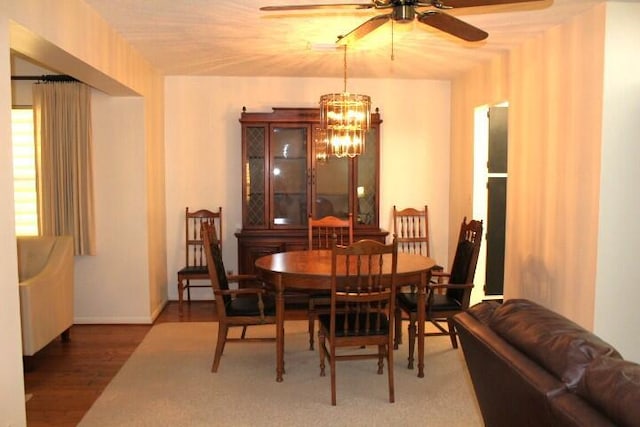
(452, 332)
(222, 339)
(392, 397)
(321, 349)
(244, 332)
(412, 340)
(180, 294)
(397, 339)
(381, 356)
(312, 317)
(332, 364)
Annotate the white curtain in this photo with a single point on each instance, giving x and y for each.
(62, 119)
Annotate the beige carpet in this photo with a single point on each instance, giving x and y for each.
(168, 382)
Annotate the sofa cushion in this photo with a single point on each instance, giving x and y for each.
(613, 385)
(483, 311)
(561, 346)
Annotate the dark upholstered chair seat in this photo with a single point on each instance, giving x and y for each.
(409, 302)
(356, 320)
(194, 269)
(247, 305)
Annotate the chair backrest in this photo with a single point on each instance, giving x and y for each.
(466, 257)
(363, 282)
(323, 231)
(411, 228)
(217, 273)
(194, 243)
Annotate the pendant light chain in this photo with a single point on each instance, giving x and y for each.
(392, 45)
(345, 68)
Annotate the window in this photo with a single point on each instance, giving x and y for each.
(24, 172)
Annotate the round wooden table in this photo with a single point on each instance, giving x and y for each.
(311, 271)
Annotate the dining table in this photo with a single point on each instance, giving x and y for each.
(310, 271)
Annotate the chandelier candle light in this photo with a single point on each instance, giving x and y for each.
(346, 118)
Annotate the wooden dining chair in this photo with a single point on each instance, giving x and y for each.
(322, 234)
(411, 228)
(195, 267)
(235, 307)
(456, 285)
(362, 297)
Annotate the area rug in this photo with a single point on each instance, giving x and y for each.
(167, 381)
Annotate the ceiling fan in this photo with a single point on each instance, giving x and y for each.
(403, 11)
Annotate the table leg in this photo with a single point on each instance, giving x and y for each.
(279, 329)
(421, 319)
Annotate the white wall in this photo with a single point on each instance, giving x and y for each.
(113, 285)
(618, 276)
(203, 149)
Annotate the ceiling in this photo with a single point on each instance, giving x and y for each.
(235, 38)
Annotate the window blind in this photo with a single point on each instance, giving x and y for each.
(24, 172)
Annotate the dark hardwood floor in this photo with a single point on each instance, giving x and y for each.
(67, 377)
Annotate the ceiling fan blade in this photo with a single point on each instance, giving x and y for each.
(452, 25)
(458, 4)
(319, 6)
(364, 29)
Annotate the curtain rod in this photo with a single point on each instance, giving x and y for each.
(47, 78)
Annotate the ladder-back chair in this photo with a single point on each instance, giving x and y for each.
(411, 228)
(363, 287)
(451, 294)
(322, 234)
(234, 307)
(195, 268)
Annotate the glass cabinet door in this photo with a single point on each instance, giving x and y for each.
(255, 182)
(289, 176)
(330, 182)
(367, 183)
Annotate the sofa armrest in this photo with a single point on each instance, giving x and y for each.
(46, 299)
(572, 411)
(507, 384)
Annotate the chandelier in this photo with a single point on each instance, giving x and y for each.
(345, 118)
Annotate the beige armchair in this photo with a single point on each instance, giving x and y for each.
(45, 271)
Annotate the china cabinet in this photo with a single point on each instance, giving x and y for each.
(286, 177)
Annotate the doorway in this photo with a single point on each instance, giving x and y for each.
(490, 195)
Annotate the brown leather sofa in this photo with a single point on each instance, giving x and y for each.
(532, 367)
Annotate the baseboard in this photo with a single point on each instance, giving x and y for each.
(141, 320)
